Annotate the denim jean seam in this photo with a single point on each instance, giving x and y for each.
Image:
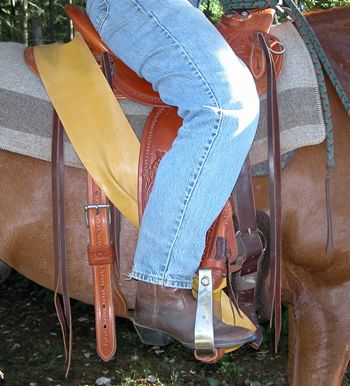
(209, 92)
(141, 276)
(154, 276)
(102, 18)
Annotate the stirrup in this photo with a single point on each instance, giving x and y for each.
(204, 329)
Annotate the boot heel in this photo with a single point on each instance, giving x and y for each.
(153, 337)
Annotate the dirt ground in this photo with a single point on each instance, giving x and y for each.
(32, 353)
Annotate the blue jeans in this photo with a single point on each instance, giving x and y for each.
(172, 45)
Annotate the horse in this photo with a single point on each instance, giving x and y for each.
(315, 283)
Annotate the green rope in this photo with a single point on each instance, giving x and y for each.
(318, 57)
(231, 5)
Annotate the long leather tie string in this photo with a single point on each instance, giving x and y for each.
(275, 190)
(59, 238)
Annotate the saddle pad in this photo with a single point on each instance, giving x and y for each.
(26, 111)
(300, 110)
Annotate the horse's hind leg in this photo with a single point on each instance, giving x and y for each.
(322, 344)
(292, 334)
(4, 271)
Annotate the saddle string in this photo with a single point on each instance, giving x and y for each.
(245, 207)
(59, 238)
(330, 241)
(275, 190)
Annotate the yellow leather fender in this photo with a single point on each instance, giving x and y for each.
(93, 120)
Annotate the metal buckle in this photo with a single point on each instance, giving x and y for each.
(283, 49)
(97, 207)
(204, 330)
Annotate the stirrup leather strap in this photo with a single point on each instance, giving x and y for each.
(101, 258)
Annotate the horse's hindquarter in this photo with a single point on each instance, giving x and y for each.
(304, 202)
(333, 31)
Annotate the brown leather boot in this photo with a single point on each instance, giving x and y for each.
(164, 314)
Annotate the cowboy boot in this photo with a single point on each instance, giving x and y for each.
(164, 314)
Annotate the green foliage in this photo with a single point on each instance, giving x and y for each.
(23, 20)
(311, 5)
(19, 19)
(36, 290)
(269, 332)
(212, 10)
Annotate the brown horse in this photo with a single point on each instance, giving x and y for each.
(315, 284)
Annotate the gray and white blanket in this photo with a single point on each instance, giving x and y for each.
(26, 111)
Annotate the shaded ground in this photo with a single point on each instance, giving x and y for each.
(31, 350)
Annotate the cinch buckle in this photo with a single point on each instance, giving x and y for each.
(97, 207)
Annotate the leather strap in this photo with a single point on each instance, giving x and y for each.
(244, 204)
(59, 238)
(246, 216)
(275, 191)
(120, 304)
(252, 246)
(101, 257)
(221, 248)
(102, 253)
(245, 211)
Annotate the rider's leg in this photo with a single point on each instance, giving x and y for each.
(172, 45)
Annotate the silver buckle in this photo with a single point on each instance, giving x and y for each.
(97, 207)
(204, 330)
